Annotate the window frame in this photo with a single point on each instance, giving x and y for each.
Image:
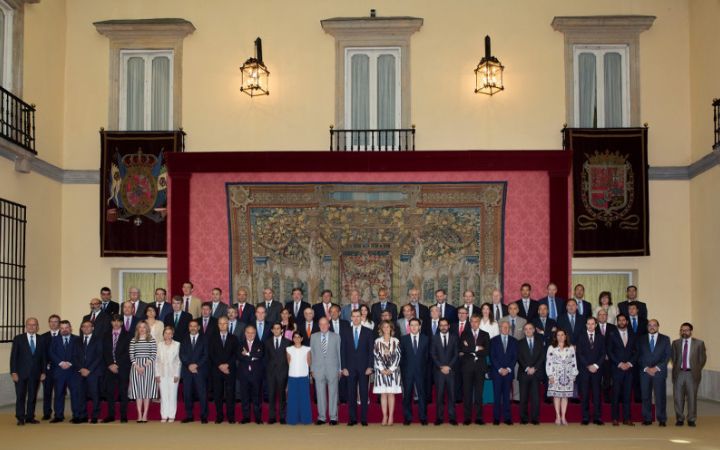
(7, 50)
(148, 56)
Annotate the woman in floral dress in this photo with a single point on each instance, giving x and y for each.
(561, 369)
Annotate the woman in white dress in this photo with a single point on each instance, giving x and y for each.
(365, 317)
(155, 325)
(561, 369)
(487, 322)
(387, 370)
(605, 302)
(167, 374)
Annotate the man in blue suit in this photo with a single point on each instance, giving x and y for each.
(164, 308)
(27, 368)
(446, 310)
(572, 321)
(194, 371)
(653, 355)
(62, 355)
(88, 362)
(503, 357)
(555, 304)
(590, 353)
(415, 350)
(356, 354)
(622, 353)
(354, 304)
(584, 308)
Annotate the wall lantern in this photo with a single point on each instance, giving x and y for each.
(489, 73)
(255, 74)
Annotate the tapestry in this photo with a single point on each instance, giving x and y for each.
(366, 236)
(133, 191)
(610, 190)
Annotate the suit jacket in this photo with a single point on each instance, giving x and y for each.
(559, 305)
(532, 312)
(413, 363)
(343, 324)
(302, 328)
(25, 363)
(164, 310)
(624, 305)
(46, 339)
(140, 309)
(450, 312)
(474, 310)
(422, 312)
(251, 365)
(121, 356)
(401, 325)
(60, 352)
(195, 306)
(609, 329)
(181, 329)
(444, 355)
(326, 362)
(211, 325)
(361, 358)
(276, 362)
(376, 311)
(238, 330)
(504, 309)
(426, 328)
(220, 310)
(517, 333)
(455, 328)
(272, 314)
(587, 354)
(641, 325)
(194, 355)
(133, 323)
(303, 306)
(697, 358)
(534, 358)
(319, 310)
(101, 323)
(563, 323)
(112, 307)
(90, 357)
(502, 358)
(586, 308)
(545, 331)
(222, 354)
(468, 347)
(658, 358)
(248, 313)
(619, 353)
(266, 331)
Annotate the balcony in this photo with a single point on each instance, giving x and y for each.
(391, 140)
(17, 121)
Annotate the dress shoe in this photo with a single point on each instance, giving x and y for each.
(438, 422)
(21, 422)
(258, 422)
(679, 423)
(535, 422)
(319, 422)
(94, 420)
(245, 420)
(231, 421)
(282, 422)
(615, 423)
(123, 420)
(57, 420)
(406, 422)
(76, 421)
(46, 417)
(647, 423)
(364, 424)
(508, 422)
(352, 423)
(467, 422)
(333, 422)
(453, 422)
(424, 423)
(218, 421)
(203, 421)
(108, 420)
(691, 424)
(479, 422)
(662, 424)
(585, 422)
(523, 422)
(496, 422)
(187, 420)
(271, 422)
(598, 422)
(629, 423)
(32, 421)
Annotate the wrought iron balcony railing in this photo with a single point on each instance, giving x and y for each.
(397, 140)
(17, 120)
(716, 121)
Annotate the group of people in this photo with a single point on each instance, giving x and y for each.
(286, 354)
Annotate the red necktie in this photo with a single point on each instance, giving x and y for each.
(308, 329)
(241, 309)
(462, 327)
(133, 309)
(92, 318)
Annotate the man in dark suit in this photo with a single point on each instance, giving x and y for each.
(544, 326)
(251, 355)
(431, 327)
(246, 311)
(208, 324)
(261, 324)
(272, 306)
(276, 371)
(49, 382)
(584, 308)
(235, 327)
(527, 307)
(194, 371)
(138, 306)
(622, 355)
(162, 306)
(689, 358)
(89, 363)
(27, 368)
(572, 322)
(337, 325)
(218, 308)
(383, 304)
(503, 357)
(107, 303)
(605, 329)
(653, 355)
(116, 356)
(99, 319)
(474, 349)
(499, 309)
(444, 354)
(624, 306)
(469, 303)
(415, 348)
(421, 311)
(178, 319)
(446, 310)
(308, 325)
(297, 305)
(222, 353)
(590, 353)
(531, 367)
(555, 304)
(463, 323)
(322, 309)
(637, 323)
(62, 355)
(129, 319)
(357, 358)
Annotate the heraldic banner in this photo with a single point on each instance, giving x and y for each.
(133, 191)
(610, 190)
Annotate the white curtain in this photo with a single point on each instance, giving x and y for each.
(360, 97)
(386, 98)
(135, 94)
(595, 283)
(2, 48)
(160, 117)
(612, 68)
(586, 90)
(147, 282)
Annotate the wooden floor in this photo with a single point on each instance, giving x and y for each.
(195, 436)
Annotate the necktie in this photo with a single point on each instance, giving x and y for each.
(87, 338)
(475, 333)
(445, 341)
(624, 338)
(323, 343)
(223, 339)
(634, 323)
(65, 341)
(683, 366)
(158, 305)
(434, 327)
(530, 344)
(572, 322)
(327, 310)
(504, 339)
(187, 304)
(194, 340)
(104, 306)
(382, 306)
(553, 311)
(92, 317)
(415, 344)
(115, 340)
(296, 308)
(177, 317)
(205, 322)
(32, 344)
(592, 339)
(497, 312)
(133, 310)
(277, 343)
(462, 328)
(525, 306)
(652, 343)
(407, 327)
(127, 324)
(232, 328)
(542, 320)
(602, 329)
(442, 310)
(580, 307)
(357, 337)
(260, 329)
(308, 329)
(242, 306)
(512, 327)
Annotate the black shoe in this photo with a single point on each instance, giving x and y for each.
(245, 420)
(535, 422)
(333, 422)
(231, 421)
(352, 423)
(496, 422)
(523, 422)
(272, 421)
(438, 422)
(585, 422)
(662, 424)
(21, 422)
(203, 421)
(691, 424)
(76, 421)
(364, 424)
(123, 420)
(508, 422)
(218, 421)
(453, 422)
(479, 422)
(406, 422)
(319, 422)
(94, 420)
(424, 423)
(57, 420)
(598, 422)
(282, 421)
(32, 421)
(108, 420)
(46, 417)
(467, 422)
(187, 420)
(679, 423)
(258, 422)
(647, 423)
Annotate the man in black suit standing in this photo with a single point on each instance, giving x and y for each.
(308, 325)
(208, 324)
(62, 355)
(297, 305)
(544, 326)
(322, 309)
(89, 363)
(654, 352)
(527, 307)
(572, 322)
(622, 354)
(447, 310)
(637, 323)
(222, 353)
(99, 319)
(178, 319)
(624, 306)
(194, 371)
(163, 307)
(261, 324)
(337, 325)
(383, 304)
(276, 372)
(421, 311)
(27, 368)
(584, 308)
(555, 304)
(499, 309)
(357, 358)
(246, 311)
(138, 306)
(235, 327)
(129, 319)
(49, 381)
(218, 308)
(590, 353)
(116, 356)
(469, 303)
(531, 368)
(444, 354)
(251, 355)
(415, 351)
(606, 330)
(272, 306)
(108, 304)
(474, 350)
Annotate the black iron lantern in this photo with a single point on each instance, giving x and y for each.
(489, 73)
(254, 74)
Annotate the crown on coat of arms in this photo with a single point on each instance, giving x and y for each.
(139, 159)
(607, 157)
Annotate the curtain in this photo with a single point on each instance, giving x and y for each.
(612, 65)
(160, 117)
(386, 98)
(147, 282)
(360, 97)
(135, 94)
(586, 90)
(615, 283)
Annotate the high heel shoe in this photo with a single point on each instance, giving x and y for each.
(558, 421)
(564, 422)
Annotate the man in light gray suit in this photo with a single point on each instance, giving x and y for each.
(219, 308)
(688, 358)
(516, 322)
(326, 371)
(352, 306)
(407, 312)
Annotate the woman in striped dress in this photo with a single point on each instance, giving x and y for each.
(387, 370)
(143, 352)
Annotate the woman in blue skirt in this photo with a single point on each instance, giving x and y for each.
(298, 398)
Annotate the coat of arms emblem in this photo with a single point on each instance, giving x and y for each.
(137, 188)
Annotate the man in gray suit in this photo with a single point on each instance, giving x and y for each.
(516, 322)
(326, 371)
(407, 312)
(219, 308)
(688, 358)
(352, 306)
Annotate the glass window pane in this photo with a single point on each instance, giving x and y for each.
(160, 108)
(359, 96)
(2, 48)
(612, 71)
(587, 90)
(135, 93)
(386, 97)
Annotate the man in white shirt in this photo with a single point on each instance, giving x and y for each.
(688, 357)
(162, 306)
(297, 305)
(447, 311)
(469, 302)
(219, 308)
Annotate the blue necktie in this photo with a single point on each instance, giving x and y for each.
(634, 320)
(530, 344)
(260, 329)
(32, 344)
(357, 337)
(652, 344)
(553, 311)
(572, 322)
(504, 340)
